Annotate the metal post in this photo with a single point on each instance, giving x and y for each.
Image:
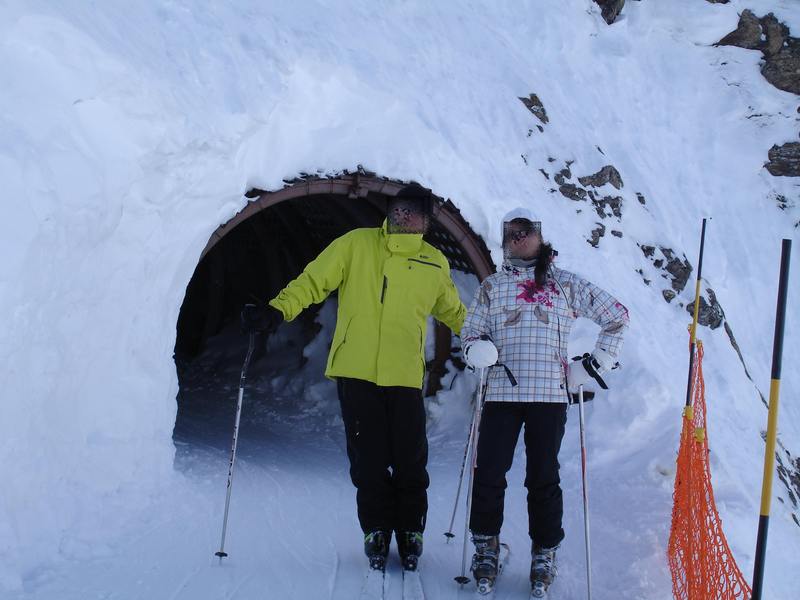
(772, 422)
(693, 331)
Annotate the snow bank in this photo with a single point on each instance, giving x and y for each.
(128, 133)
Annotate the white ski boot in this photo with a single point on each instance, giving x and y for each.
(543, 570)
(485, 561)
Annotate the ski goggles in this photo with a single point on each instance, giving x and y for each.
(517, 233)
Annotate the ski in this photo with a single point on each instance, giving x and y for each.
(374, 586)
(485, 587)
(412, 585)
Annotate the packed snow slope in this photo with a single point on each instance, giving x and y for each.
(129, 132)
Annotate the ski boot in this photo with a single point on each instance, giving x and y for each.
(409, 544)
(543, 570)
(485, 561)
(376, 547)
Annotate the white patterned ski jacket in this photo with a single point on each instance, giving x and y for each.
(530, 327)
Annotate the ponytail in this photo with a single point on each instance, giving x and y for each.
(543, 263)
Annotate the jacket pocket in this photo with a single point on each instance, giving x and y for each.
(421, 352)
(337, 346)
(424, 262)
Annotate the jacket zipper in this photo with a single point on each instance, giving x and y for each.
(383, 289)
(426, 263)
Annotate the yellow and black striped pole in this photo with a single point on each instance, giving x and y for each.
(772, 422)
(687, 412)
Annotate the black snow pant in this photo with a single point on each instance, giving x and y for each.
(499, 431)
(388, 451)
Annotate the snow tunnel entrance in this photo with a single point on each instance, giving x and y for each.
(252, 256)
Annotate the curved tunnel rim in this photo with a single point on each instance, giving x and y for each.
(358, 186)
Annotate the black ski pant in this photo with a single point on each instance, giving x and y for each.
(499, 430)
(388, 451)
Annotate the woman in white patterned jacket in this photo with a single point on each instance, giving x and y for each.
(520, 321)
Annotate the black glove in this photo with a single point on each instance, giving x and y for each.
(260, 318)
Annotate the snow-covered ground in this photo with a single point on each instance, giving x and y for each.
(293, 531)
(128, 133)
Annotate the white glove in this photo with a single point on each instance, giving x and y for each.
(604, 359)
(480, 354)
(577, 375)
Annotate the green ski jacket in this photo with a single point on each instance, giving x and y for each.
(388, 286)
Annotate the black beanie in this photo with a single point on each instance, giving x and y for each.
(414, 191)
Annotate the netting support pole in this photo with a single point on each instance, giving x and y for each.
(772, 422)
(693, 331)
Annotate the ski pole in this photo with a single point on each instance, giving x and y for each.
(449, 535)
(222, 554)
(585, 495)
(473, 455)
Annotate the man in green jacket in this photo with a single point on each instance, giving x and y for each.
(389, 282)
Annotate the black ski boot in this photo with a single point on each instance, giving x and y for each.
(376, 547)
(543, 570)
(485, 561)
(409, 544)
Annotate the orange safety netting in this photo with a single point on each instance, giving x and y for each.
(702, 565)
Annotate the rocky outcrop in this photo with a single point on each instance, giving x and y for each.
(597, 233)
(747, 34)
(671, 267)
(573, 192)
(610, 9)
(606, 206)
(784, 160)
(562, 176)
(710, 313)
(781, 51)
(679, 269)
(789, 474)
(776, 34)
(783, 69)
(612, 203)
(533, 104)
(607, 174)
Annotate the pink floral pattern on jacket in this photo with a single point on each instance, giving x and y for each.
(536, 294)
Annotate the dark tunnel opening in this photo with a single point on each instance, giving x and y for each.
(250, 258)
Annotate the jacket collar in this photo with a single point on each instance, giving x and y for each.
(528, 272)
(401, 243)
